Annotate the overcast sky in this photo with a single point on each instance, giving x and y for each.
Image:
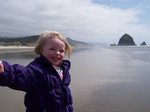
(85, 20)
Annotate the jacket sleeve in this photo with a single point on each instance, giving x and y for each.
(18, 77)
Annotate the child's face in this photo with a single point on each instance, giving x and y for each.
(54, 50)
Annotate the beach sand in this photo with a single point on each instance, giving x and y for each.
(13, 49)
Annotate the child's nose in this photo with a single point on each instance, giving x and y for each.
(57, 52)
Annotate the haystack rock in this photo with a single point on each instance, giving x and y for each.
(126, 40)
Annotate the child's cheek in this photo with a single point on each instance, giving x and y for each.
(49, 55)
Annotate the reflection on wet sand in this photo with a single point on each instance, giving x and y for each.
(103, 80)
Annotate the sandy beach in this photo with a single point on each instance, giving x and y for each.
(13, 49)
(115, 80)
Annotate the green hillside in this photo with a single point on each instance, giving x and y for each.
(31, 40)
(26, 41)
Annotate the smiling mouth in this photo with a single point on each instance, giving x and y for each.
(56, 58)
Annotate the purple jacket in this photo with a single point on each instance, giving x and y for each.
(45, 91)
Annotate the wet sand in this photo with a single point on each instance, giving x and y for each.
(15, 49)
(103, 80)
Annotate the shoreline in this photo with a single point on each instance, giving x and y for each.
(18, 49)
(14, 49)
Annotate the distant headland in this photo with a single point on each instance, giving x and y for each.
(27, 44)
(31, 41)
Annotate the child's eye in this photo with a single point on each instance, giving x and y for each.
(62, 51)
(52, 49)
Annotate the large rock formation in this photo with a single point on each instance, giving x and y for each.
(143, 43)
(126, 40)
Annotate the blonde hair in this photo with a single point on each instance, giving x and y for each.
(50, 34)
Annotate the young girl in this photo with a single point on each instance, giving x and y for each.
(46, 79)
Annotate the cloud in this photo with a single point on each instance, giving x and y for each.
(79, 19)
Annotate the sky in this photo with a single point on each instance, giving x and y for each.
(85, 20)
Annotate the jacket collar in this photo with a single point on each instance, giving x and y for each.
(44, 61)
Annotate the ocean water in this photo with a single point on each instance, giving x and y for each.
(104, 79)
